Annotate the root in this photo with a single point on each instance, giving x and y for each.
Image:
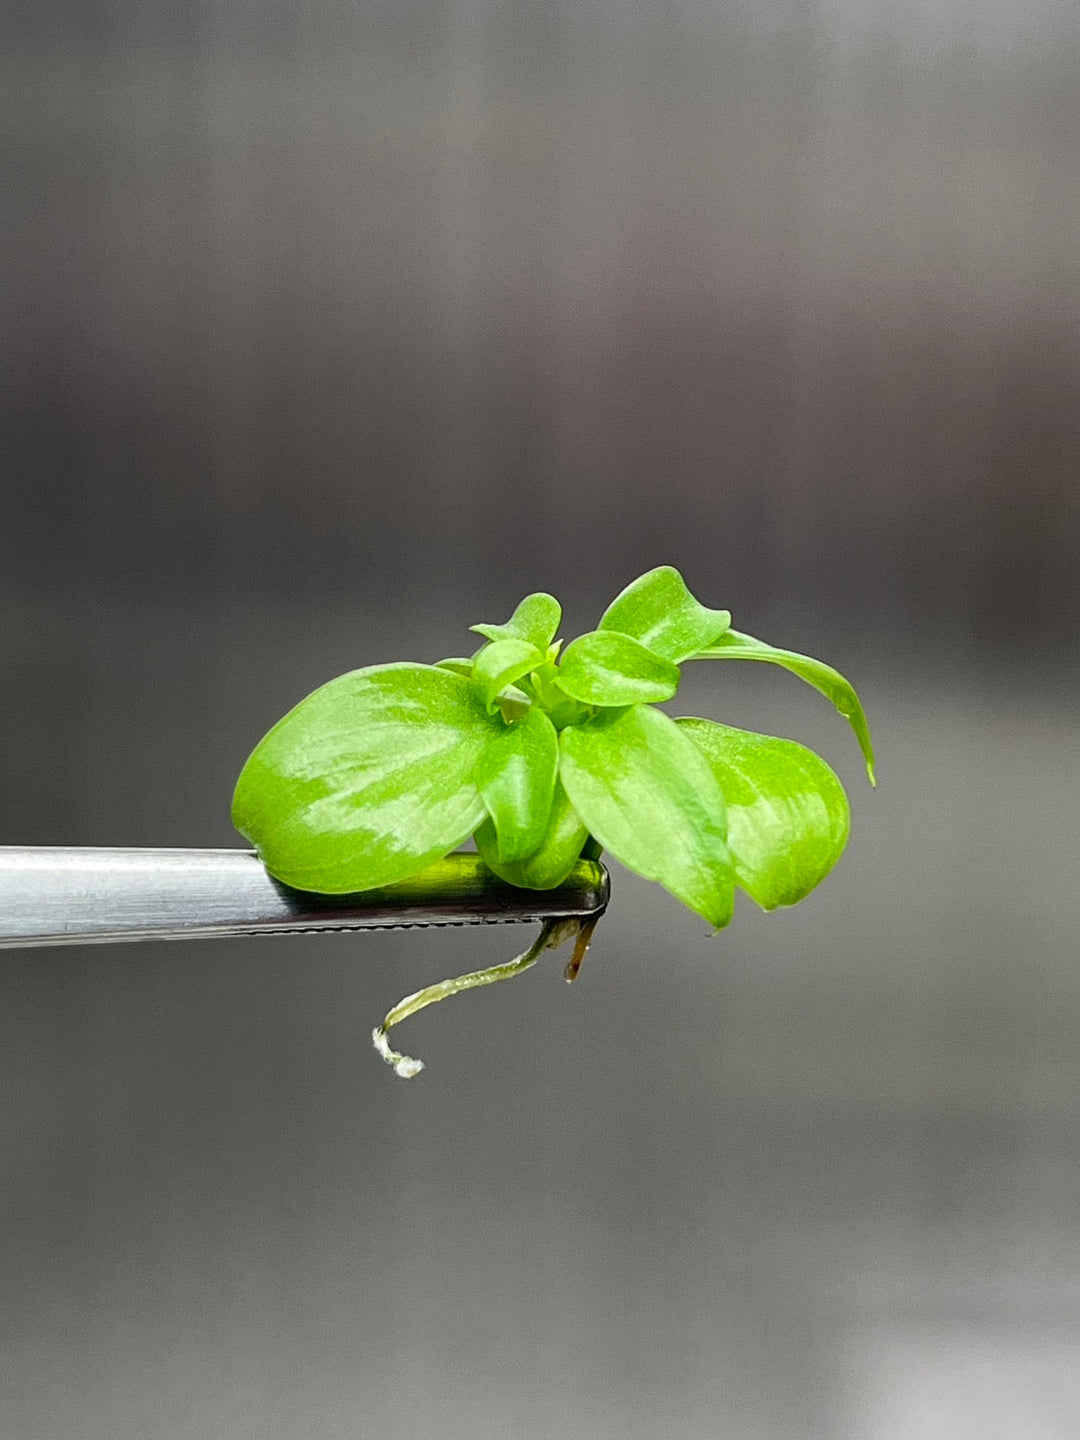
(552, 934)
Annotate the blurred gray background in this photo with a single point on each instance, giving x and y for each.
(328, 329)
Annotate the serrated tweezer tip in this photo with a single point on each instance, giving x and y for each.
(51, 895)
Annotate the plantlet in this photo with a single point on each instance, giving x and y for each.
(544, 755)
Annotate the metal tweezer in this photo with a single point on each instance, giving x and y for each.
(57, 896)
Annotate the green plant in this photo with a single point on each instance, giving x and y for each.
(546, 754)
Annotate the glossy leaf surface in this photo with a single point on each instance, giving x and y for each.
(787, 813)
(536, 620)
(367, 780)
(648, 795)
(608, 668)
(516, 779)
(552, 860)
(501, 663)
(659, 611)
(830, 683)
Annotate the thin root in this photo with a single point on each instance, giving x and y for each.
(581, 945)
(552, 934)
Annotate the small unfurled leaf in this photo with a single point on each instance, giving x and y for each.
(552, 860)
(787, 813)
(659, 611)
(368, 780)
(536, 619)
(516, 778)
(831, 684)
(457, 664)
(648, 795)
(604, 667)
(501, 663)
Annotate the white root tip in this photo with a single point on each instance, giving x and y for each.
(403, 1065)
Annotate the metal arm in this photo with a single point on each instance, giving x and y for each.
(58, 896)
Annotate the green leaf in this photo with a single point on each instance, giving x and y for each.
(659, 611)
(552, 860)
(648, 795)
(516, 778)
(604, 667)
(368, 780)
(456, 663)
(501, 663)
(536, 619)
(787, 813)
(831, 684)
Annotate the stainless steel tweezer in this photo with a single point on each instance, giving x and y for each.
(56, 896)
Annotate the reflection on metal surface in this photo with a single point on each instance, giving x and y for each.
(55, 896)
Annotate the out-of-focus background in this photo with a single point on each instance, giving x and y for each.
(329, 329)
